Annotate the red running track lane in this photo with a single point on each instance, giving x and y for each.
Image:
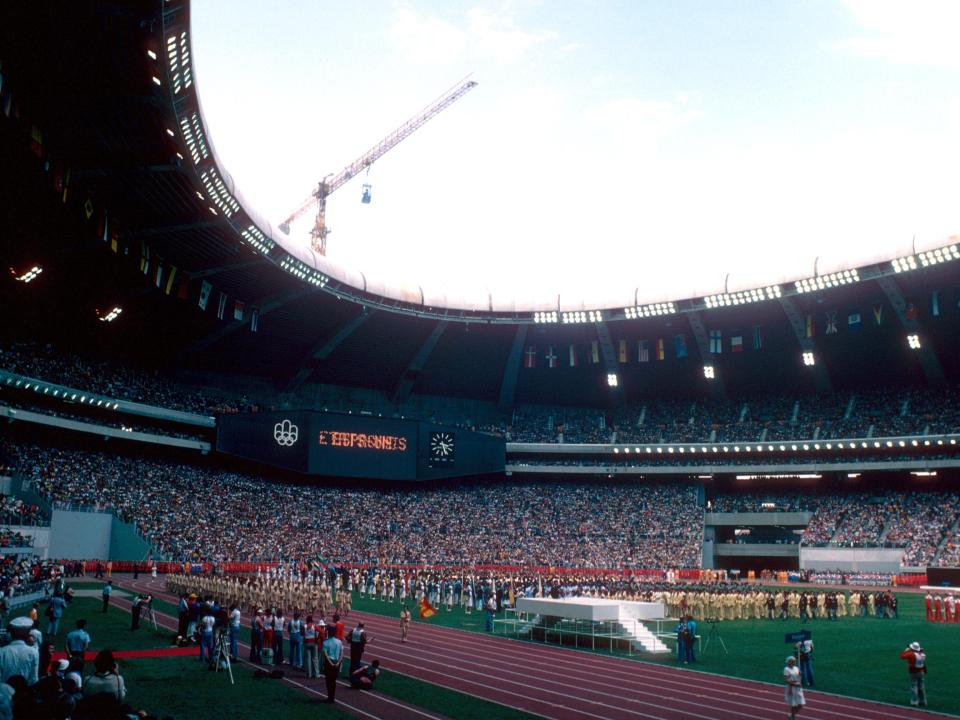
(564, 684)
(367, 705)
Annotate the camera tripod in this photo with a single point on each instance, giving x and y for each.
(714, 634)
(221, 654)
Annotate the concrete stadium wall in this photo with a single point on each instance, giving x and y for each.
(851, 559)
(78, 535)
(756, 550)
(759, 519)
(125, 543)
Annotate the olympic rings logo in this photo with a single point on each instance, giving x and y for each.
(285, 433)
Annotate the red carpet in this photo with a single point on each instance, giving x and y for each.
(153, 653)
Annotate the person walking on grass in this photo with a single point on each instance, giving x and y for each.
(105, 594)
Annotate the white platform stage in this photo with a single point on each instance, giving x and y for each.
(628, 617)
(588, 608)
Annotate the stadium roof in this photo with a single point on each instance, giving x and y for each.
(129, 155)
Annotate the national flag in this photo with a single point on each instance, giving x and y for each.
(530, 357)
(831, 324)
(551, 357)
(144, 258)
(910, 312)
(643, 350)
(183, 291)
(88, 209)
(661, 352)
(113, 243)
(205, 290)
(158, 275)
(573, 356)
(622, 351)
(221, 305)
(426, 609)
(680, 346)
(36, 141)
(170, 278)
(878, 313)
(853, 320)
(238, 306)
(758, 337)
(935, 303)
(811, 327)
(716, 342)
(254, 320)
(736, 342)
(594, 352)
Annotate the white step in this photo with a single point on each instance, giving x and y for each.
(643, 637)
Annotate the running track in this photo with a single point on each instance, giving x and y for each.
(561, 684)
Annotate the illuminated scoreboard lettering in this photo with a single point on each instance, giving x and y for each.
(364, 441)
(358, 446)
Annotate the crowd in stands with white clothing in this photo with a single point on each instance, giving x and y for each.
(184, 509)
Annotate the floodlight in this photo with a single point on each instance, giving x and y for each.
(913, 341)
(708, 372)
(808, 359)
(612, 380)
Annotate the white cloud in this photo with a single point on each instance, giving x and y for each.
(496, 35)
(636, 123)
(484, 34)
(424, 40)
(921, 32)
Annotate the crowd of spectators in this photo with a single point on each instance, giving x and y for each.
(186, 510)
(24, 573)
(110, 379)
(918, 522)
(15, 539)
(880, 412)
(869, 413)
(759, 502)
(14, 511)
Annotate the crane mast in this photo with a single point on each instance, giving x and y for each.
(330, 183)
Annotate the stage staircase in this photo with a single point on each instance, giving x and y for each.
(642, 638)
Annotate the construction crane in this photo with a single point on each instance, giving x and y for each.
(331, 183)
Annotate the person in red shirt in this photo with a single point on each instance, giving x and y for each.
(917, 668)
(339, 628)
(929, 603)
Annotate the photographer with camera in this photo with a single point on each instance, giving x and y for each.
(140, 603)
(917, 669)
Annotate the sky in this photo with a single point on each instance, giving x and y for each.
(611, 147)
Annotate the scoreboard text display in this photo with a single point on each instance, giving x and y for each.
(336, 445)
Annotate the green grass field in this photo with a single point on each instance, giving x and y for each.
(859, 657)
(183, 687)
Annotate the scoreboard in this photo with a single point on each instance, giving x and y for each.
(338, 445)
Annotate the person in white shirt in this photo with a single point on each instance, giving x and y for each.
(234, 632)
(793, 692)
(19, 658)
(207, 623)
